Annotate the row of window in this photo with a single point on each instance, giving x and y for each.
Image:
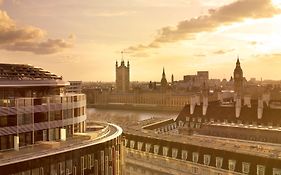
(212, 120)
(195, 157)
(95, 163)
(23, 119)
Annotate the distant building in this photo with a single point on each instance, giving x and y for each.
(164, 83)
(74, 87)
(122, 77)
(238, 78)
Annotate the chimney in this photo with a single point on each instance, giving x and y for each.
(205, 104)
(266, 98)
(192, 104)
(238, 107)
(197, 98)
(260, 108)
(220, 98)
(247, 101)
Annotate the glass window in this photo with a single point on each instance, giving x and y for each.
(207, 159)
(231, 165)
(132, 144)
(140, 146)
(147, 147)
(165, 151)
(156, 149)
(174, 153)
(276, 171)
(245, 167)
(194, 170)
(184, 154)
(260, 170)
(219, 161)
(195, 157)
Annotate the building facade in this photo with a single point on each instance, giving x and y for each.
(43, 128)
(74, 87)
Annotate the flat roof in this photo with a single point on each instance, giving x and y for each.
(262, 149)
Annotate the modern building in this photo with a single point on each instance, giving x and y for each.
(43, 128)
(74, 87)
(122, 77)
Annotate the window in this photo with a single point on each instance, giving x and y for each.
(219, 161)
(195, 157)
(126, 142)
(165, 151)
(207, 159)
(147, 147)
(231, 165)
(69, 165)
(132, 144)
(276, 171)
(184, 154)
(245, 167)
(156, 149)
(194, 170)
(82, 163)
(140, 146)
(174, 153)
(260, 170)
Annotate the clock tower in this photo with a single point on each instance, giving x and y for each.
(238, 78)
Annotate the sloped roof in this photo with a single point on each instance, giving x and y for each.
(247, 115)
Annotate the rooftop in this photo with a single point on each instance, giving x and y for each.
(267, 150)
(27, 75)
(25, 72)
(249, 115)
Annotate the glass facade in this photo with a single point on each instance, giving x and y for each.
(34, 119)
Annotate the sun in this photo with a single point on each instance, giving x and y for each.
(276, 3)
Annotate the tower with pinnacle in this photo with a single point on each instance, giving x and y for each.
(122, 77)
(164, 82)
(238, 78)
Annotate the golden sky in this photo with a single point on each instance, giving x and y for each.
(81, 40)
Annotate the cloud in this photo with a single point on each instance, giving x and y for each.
(200, 55)
(28, 38)
(41, 48)
(114, 14)
(222, 51)
(225, 15)
(253, 43)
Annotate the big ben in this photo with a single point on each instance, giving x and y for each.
(238, 78)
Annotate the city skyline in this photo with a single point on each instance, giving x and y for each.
(82, 40)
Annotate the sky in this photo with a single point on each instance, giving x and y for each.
(81, 40)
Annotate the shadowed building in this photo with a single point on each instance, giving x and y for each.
(122, 77)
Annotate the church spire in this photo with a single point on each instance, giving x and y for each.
(164, 82)
(238, 62)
